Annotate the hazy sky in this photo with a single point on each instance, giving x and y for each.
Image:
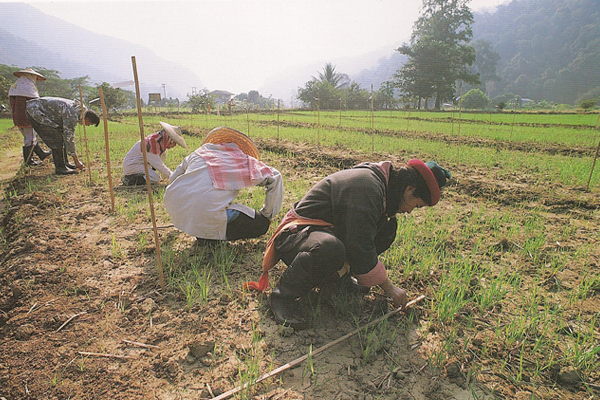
(237, 45)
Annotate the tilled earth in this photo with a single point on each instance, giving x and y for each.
(83, 314)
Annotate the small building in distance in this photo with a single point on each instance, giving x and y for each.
(221, 96)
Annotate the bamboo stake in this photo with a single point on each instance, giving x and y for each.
(150, 346)
(69, 320)
(105, 118)
(372, 123)
(315, 352)
(459, 119)
(87, 353)
(319, 123)
(278, 105)
(595, 156)
(148, 187)
(87, 152)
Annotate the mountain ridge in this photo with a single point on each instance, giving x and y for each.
(60, 45)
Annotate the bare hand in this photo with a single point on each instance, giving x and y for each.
(398, 295)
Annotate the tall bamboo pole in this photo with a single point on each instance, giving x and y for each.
(105, 118)
(459, 119)
(278, 105)
(87, 152)
(148, 187)
(247, 118)
(318, 123)
(595, 156)
(372, 123)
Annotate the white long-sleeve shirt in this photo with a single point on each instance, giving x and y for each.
(199, 209)
(133, 163)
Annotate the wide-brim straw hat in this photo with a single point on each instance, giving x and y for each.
(29, 71)
(223, 134)
(174, 133)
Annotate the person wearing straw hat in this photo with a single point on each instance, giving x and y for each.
(22, 90)
(157, 145)
(335, 233)
(55, 119)
(201, 192)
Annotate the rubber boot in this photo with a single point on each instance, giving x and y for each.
(59, 164)
(41, 153)
(28, 156)
(66, 158)
(348, 284)
(294, 283)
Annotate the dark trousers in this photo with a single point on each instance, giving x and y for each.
(317, 253)
(53, 137)
(245, 227)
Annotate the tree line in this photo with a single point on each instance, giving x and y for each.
(528, 53)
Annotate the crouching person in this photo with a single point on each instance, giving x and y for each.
(335, 233)
(157, 145)
(201, 192)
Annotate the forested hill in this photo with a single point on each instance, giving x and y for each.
(30, 38)
(549, 49)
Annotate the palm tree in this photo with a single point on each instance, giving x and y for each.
(336, 79)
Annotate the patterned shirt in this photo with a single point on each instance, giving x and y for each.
(57, 113)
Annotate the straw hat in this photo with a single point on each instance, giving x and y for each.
(174, 133)
(224, 134)
(29, 71)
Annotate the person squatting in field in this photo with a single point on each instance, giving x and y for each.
(335, 233)
(157, 145)
(22, 90)
(201, 192)
(54, 119)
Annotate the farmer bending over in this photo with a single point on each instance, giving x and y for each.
(338, 229)
(202, 189)
(157, 145)
(54, 119)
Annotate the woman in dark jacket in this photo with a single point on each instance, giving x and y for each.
(339, 228)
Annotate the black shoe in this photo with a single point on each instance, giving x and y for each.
(64, 171)
(41, 153)
(59, 164)
(66, 158)
(28, 156)
(286, 310)
(349, 284)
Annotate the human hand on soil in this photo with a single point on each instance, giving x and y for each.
(398, 295)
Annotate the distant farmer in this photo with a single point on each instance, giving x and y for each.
(157, 145)
(55, 119)
(200, 196)
(22, 90)
(335, 233)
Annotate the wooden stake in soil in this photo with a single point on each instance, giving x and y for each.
(148, 187)
(105, 118)
(315, 352)
(372, 123)
(459, 119)
(595, 156)
(87, 152)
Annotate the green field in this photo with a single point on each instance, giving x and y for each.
(508, 260)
